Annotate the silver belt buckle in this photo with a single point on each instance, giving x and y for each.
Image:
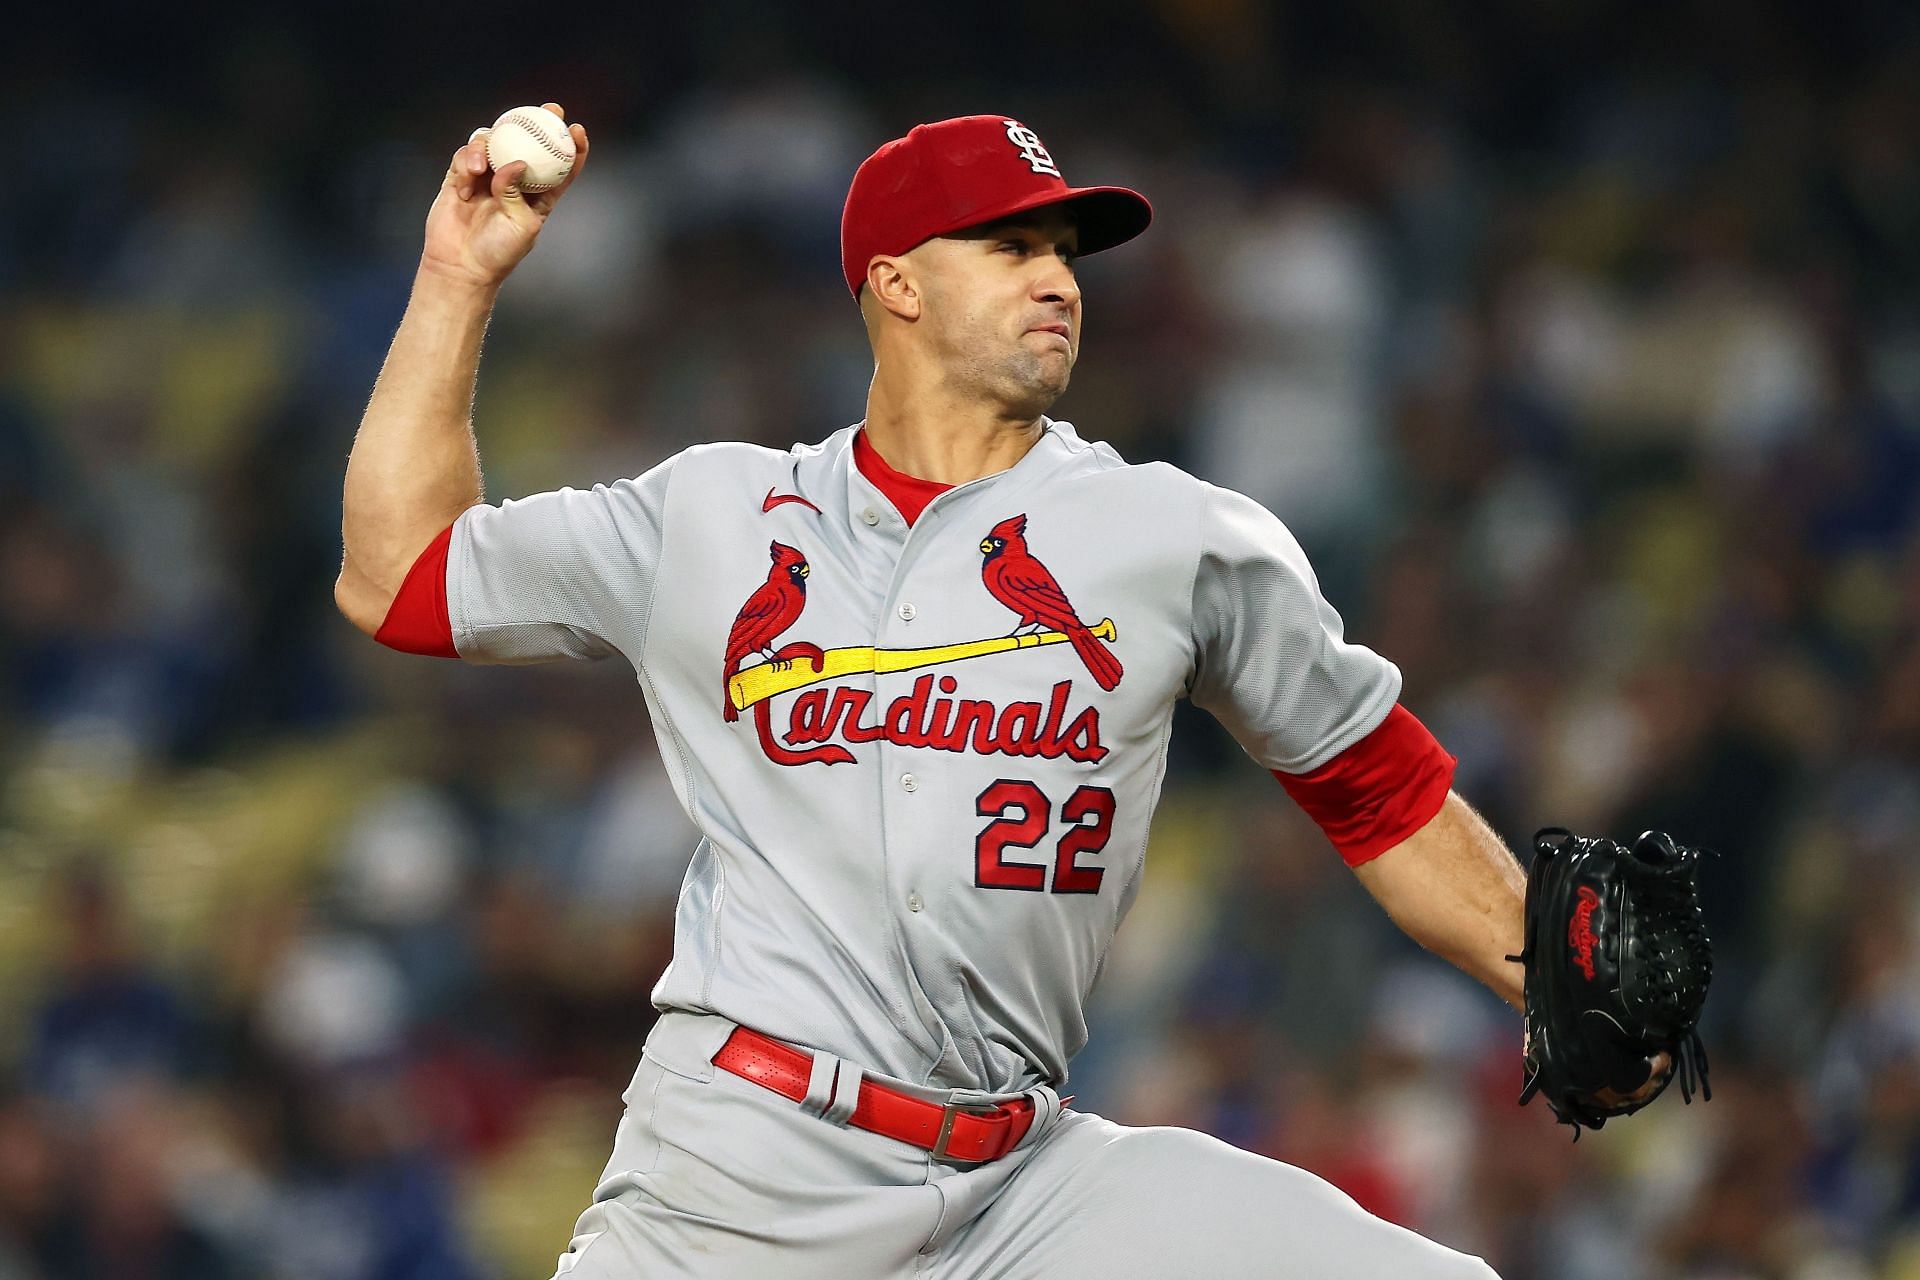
(947, 1113)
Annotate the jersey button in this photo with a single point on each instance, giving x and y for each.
(910, 782)
(913, 902)
(870, 516)
(906, 613)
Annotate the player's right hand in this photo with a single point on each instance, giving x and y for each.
(482, 224)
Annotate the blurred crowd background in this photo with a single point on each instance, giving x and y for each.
(1579, 342)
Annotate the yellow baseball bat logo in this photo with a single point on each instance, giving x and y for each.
(770, 679)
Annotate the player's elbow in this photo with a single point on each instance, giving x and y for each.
(359, 599)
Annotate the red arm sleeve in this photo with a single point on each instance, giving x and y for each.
(417, 621)
(1378, 791)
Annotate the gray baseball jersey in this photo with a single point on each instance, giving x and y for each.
(923, 757)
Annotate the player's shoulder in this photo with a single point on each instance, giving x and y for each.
(709, 482)
(722, 456)
(699, 472)
(1181, 502)
(1097, 460)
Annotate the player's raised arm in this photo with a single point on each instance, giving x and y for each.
(414, 466)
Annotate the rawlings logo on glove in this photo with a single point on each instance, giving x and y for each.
(1580, 932)
(1629, 982)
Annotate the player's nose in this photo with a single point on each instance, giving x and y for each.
(1056, 286)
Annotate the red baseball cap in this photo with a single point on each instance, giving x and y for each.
(963, 172)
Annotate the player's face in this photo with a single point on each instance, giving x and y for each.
(1006, 309)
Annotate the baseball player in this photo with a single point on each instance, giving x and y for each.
(914, 685)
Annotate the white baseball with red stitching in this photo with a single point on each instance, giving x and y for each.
(537, 136)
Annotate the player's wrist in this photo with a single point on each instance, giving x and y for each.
(445, 281)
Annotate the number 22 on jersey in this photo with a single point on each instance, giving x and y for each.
(1022, 815)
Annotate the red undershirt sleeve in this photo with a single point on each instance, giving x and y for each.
(417, 620)
(1378, 791)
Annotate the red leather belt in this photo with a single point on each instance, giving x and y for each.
(971, 1135)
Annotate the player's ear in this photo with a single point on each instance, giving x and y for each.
(894, 287)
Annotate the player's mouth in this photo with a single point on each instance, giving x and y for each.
(1057, 327)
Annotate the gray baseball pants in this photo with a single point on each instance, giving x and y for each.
(718, 1178)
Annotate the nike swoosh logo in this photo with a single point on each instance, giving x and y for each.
(773, 502)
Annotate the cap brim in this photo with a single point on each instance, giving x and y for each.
(1105, 216)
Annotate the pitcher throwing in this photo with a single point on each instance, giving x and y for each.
(924, 796)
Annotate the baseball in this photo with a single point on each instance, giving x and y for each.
(537, 136)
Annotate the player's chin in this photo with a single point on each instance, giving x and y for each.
(1048, 364)
(1037, 385)
(1045, 344)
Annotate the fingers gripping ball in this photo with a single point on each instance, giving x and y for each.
(1617, 967)
(537, 136)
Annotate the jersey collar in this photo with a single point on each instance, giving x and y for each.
(870, 507)
(908, 494)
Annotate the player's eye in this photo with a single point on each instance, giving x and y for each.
(1018, 246)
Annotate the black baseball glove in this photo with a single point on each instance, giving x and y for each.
(1617, 965)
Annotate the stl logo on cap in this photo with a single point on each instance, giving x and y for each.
(1035, 153)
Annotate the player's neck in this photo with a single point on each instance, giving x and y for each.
(943, 439)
